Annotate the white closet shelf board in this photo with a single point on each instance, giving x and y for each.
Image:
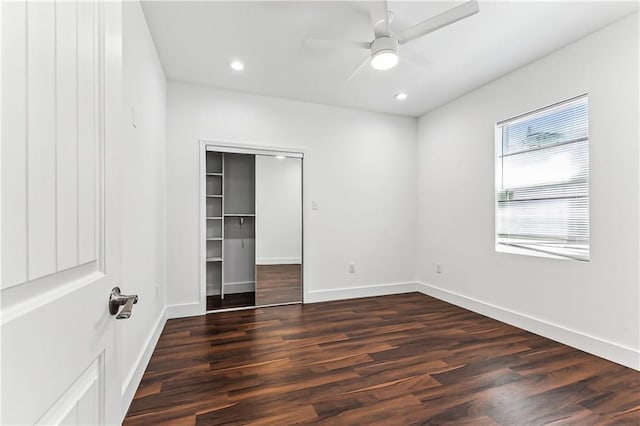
(214, 196)
(214, 174)
(214, 259)
(214, 218)
(239, 215)
(214, 238)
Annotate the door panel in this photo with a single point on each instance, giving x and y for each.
(81, 404)
(42, 356)
(66, 136)
(14, 143)
(87, 127)
(41, 142)
(50, 134)
(61, 112)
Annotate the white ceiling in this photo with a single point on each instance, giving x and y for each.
(197, 40)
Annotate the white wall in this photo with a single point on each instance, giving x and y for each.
(143, 176)
(595, 305)
(279, 208)
(359, 167)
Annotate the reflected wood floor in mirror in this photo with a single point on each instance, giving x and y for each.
(278, 284)
(392, 360)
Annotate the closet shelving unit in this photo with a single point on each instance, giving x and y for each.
(214, 195)
(229, 259)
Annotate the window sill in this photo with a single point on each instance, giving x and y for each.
(503, 248)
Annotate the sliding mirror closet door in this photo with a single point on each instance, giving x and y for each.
(278, 229)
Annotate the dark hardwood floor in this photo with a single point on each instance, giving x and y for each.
(278, 284)
(392, 360)
(234, 300)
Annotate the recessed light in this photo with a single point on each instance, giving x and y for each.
(237, 65)
(280, 157)
(401, 96)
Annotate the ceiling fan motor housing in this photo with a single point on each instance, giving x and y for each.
(383, 43)
(384, 53)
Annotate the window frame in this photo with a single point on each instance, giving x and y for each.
(501, 247)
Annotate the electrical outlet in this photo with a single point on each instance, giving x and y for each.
(438, 268)
(315, 205)
(352, 268)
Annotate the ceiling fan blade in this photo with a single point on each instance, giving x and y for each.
(366, 60)
(414, 59)
(379, 11)
(335, 44)
(439, 21)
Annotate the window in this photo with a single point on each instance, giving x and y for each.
(542, 182)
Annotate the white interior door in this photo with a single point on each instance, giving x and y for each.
(61, 111)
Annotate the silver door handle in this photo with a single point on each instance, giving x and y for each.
(117, 299)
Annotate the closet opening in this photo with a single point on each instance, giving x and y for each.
(252, 228)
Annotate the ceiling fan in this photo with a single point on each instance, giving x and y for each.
(383, 50)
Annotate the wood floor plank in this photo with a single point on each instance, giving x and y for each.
(392, 360)
(278, 284)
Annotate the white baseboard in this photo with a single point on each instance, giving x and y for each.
(278, 261)
(185, 310)
(608, 350)
(315, 296)
(133, 379)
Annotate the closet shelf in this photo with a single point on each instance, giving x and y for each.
(214, 174)
(239, 214)
(214, 238)
(214, 217)
(214, 196)
(214, 259)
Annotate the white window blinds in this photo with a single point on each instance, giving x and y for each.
(542, 182)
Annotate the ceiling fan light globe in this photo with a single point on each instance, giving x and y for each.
(384, 60)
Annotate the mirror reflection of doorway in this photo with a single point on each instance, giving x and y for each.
(278, 230)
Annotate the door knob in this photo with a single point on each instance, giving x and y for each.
(117, 299)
